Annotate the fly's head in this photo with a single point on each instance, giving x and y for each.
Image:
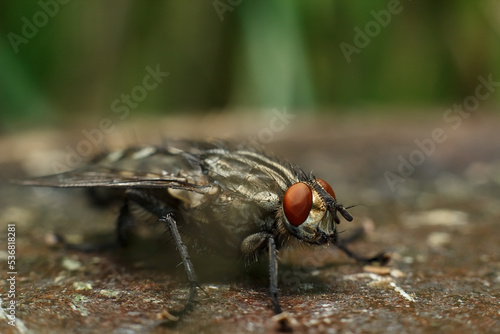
(310, 211)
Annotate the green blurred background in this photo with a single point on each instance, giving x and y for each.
(79, 56)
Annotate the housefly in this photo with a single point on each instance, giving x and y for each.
(230, 199)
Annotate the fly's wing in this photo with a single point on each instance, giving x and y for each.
(146, 167)
(98, 177)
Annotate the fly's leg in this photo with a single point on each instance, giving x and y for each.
(282, 318)
(124, 223)
(273, 275)
(382, 258)
(251, 247)
(186, 260)
(158, 208)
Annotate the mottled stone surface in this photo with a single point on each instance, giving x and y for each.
(440, 225)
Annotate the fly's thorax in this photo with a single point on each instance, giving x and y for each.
(248, 176)
(308, 211)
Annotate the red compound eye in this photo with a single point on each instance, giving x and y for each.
(327, 187)
(297, 203)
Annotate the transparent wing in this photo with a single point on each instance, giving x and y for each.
(135, 167)
(113, 178)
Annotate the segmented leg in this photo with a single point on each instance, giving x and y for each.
(158, 208)
(125, 221)
(273, 275)
(382, 258)
(186, 260)
(283, 320)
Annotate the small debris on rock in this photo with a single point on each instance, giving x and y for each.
(70, 264)
(82, 286)
(396, 273)
(59, 278)
(438, 239)
(110, 293)
(165, 315)
(384, 284)
(377, 270)
(52, 240)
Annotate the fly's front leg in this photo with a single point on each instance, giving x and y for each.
(273, 274)
(281, 317)
(251, 247)
(382, 258)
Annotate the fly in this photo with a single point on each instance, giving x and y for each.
(233, 200)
